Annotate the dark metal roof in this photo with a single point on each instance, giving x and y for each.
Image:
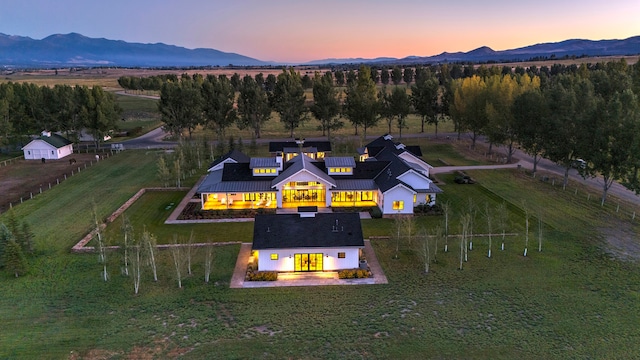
(363, 170)
(263, 162)
(385, 142)
(414, 149)
(55, 140)
(283, 231)
(356, 184)
(241, 172)
(306, 149)
(237, 186)
(210, 182)
(236, 155)
(275, 146)
(433, 189)
(339, 161)
(388, 178)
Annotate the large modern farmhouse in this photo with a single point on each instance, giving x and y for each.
(48, 146)
(389, 175)
(307, 241)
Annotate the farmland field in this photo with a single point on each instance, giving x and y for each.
(571, 300)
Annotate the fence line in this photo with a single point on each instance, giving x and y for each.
(4, 162)
(58, 180)
(617, 205)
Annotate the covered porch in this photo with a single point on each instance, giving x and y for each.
(237, 201)
(354, 198)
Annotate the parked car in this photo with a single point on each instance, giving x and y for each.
(578, 164)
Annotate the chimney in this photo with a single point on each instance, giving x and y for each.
(46, 133)
(279, 159)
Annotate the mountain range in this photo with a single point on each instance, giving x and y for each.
(65, 50)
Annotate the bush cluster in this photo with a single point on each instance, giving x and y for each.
(354, 274)
(376, 213)
(262, 276)
(193, 212)
(424, 209)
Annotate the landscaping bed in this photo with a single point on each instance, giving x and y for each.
(193, 211)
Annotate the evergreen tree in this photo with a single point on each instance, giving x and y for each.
(13, 259)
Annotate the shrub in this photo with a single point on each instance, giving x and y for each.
(262, 276)
(424, 209)
(354, 274)
(376, 213)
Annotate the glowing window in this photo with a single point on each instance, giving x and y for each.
(415, 198)
(398, 205)
(274, 256)
(341, 255)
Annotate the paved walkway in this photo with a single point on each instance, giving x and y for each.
(305, 279)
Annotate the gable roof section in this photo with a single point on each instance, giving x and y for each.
(302, 163)
(234, 155)
(385, 142)
(275, 146)
(271, 231)
(54, 140)
(388, 178)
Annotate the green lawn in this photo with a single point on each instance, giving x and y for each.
(569, 301)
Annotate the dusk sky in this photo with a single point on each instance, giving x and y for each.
(299, 31)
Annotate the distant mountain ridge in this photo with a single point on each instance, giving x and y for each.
(573, 47)
(76, 50)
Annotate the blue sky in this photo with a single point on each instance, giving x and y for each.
(297, 31)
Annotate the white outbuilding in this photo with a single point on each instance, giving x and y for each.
(48, 146)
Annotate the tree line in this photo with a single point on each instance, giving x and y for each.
(27, 109)
(590, 113)
(563, 113)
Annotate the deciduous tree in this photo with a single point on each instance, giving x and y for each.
(253, 105)
(289, 100)
(326, 105)
(218, 97)
(361, 105)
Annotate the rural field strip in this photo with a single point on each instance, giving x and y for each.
(81, 247)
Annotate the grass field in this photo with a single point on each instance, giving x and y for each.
(569, 301)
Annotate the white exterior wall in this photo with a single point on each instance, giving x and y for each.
(398, 193)
(407, 156)
(330, 260)
(422, 199)
(303, 176)
(38, 149)
(415, 180)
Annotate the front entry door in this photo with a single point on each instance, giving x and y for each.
(308, 262)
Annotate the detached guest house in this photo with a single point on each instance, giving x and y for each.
(307, 241)
(48, 146)
(389, 175)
